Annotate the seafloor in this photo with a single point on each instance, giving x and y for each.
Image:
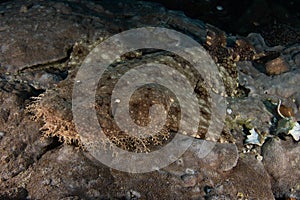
(254, 46)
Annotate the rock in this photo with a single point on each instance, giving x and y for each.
(281, 159)
(297, 59)
(249, 166)
(132, 195)
(283, 86)
(276, 66)
(222, 157)
(22, 144)
(66, 172)
(189, 180)
(14, 193)
(215, 182)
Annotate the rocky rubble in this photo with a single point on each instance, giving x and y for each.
(42, 46)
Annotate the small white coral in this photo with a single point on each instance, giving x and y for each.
(295, 131)
(255, 138)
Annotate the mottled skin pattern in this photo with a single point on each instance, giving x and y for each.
(54, 106)
(226, 53)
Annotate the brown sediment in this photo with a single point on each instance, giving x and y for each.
(286, 111)
(276, 66)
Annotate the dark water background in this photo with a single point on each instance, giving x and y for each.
(242, 16)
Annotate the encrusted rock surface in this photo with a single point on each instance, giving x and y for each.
(42, 45)
(280, 160)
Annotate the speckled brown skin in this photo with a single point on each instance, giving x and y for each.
(227, 55)
(54, 106)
